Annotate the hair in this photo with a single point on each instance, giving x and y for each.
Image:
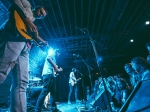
(37, 8)
(122, 81)
(148, 44)
(128, 65)
(73, 69)
(142, 62)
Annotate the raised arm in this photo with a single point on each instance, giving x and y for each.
(50, 60)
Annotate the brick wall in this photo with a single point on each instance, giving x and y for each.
(36, 61)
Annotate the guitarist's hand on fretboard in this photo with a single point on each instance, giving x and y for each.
(60, 69)
(30, 25)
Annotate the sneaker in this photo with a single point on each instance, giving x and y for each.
(69, 102)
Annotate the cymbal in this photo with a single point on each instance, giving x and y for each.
(34, 79)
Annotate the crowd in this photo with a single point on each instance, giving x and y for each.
(120, 87)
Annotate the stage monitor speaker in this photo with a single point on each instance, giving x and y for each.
(100, 99)
(139, 100)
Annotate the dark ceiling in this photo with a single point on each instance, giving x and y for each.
(71, 26)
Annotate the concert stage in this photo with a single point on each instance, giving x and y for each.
(64, 107)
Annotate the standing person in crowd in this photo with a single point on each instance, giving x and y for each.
(49, 82)
(14, 50)
(142, 65)
(120, 93)
(123, 90)
(134, 76)
(73, 86)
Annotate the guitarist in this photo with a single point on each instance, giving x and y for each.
(73, 86)
(14, 50)
(49, 82)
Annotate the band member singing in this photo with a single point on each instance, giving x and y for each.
(73, 86)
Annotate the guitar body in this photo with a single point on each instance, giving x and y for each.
(21, 27)
(75, 82)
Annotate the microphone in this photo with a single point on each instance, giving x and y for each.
(76, 55)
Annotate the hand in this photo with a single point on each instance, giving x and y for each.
(30, 25)
(60, 69)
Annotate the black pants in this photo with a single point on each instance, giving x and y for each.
(48, 86)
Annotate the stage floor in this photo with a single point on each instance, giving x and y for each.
(63, 107)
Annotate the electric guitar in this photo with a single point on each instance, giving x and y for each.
(75, 82)
(57, 73)
(21, 27)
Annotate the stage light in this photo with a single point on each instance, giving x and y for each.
(100, 59)
(131, 40)
(50, 51)
(147, 22)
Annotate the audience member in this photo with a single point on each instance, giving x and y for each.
(142, 66)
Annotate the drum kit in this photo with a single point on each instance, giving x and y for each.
(34, 89)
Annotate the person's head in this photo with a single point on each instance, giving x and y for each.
(115, 77)
(148, 59)
(57, 52)
(148, 47)
(39, 12)
(139, 63)
(128, 68)
(74, 70)
(99, 79)
(121, 84)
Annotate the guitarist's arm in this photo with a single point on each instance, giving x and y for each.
(23, 7)
(50, 60)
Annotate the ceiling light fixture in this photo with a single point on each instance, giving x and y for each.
(147, 22)
(131, 40)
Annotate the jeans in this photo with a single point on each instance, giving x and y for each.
(15, 52)
(49, 85)
(75, 89)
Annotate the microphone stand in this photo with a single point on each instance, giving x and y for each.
(83, 88)
(89, 68)
(98, 63)
(82, 83)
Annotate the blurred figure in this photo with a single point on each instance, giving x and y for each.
(134, 76)
(96, 86)
(148, 59)
(141, 65)
(148, 47)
